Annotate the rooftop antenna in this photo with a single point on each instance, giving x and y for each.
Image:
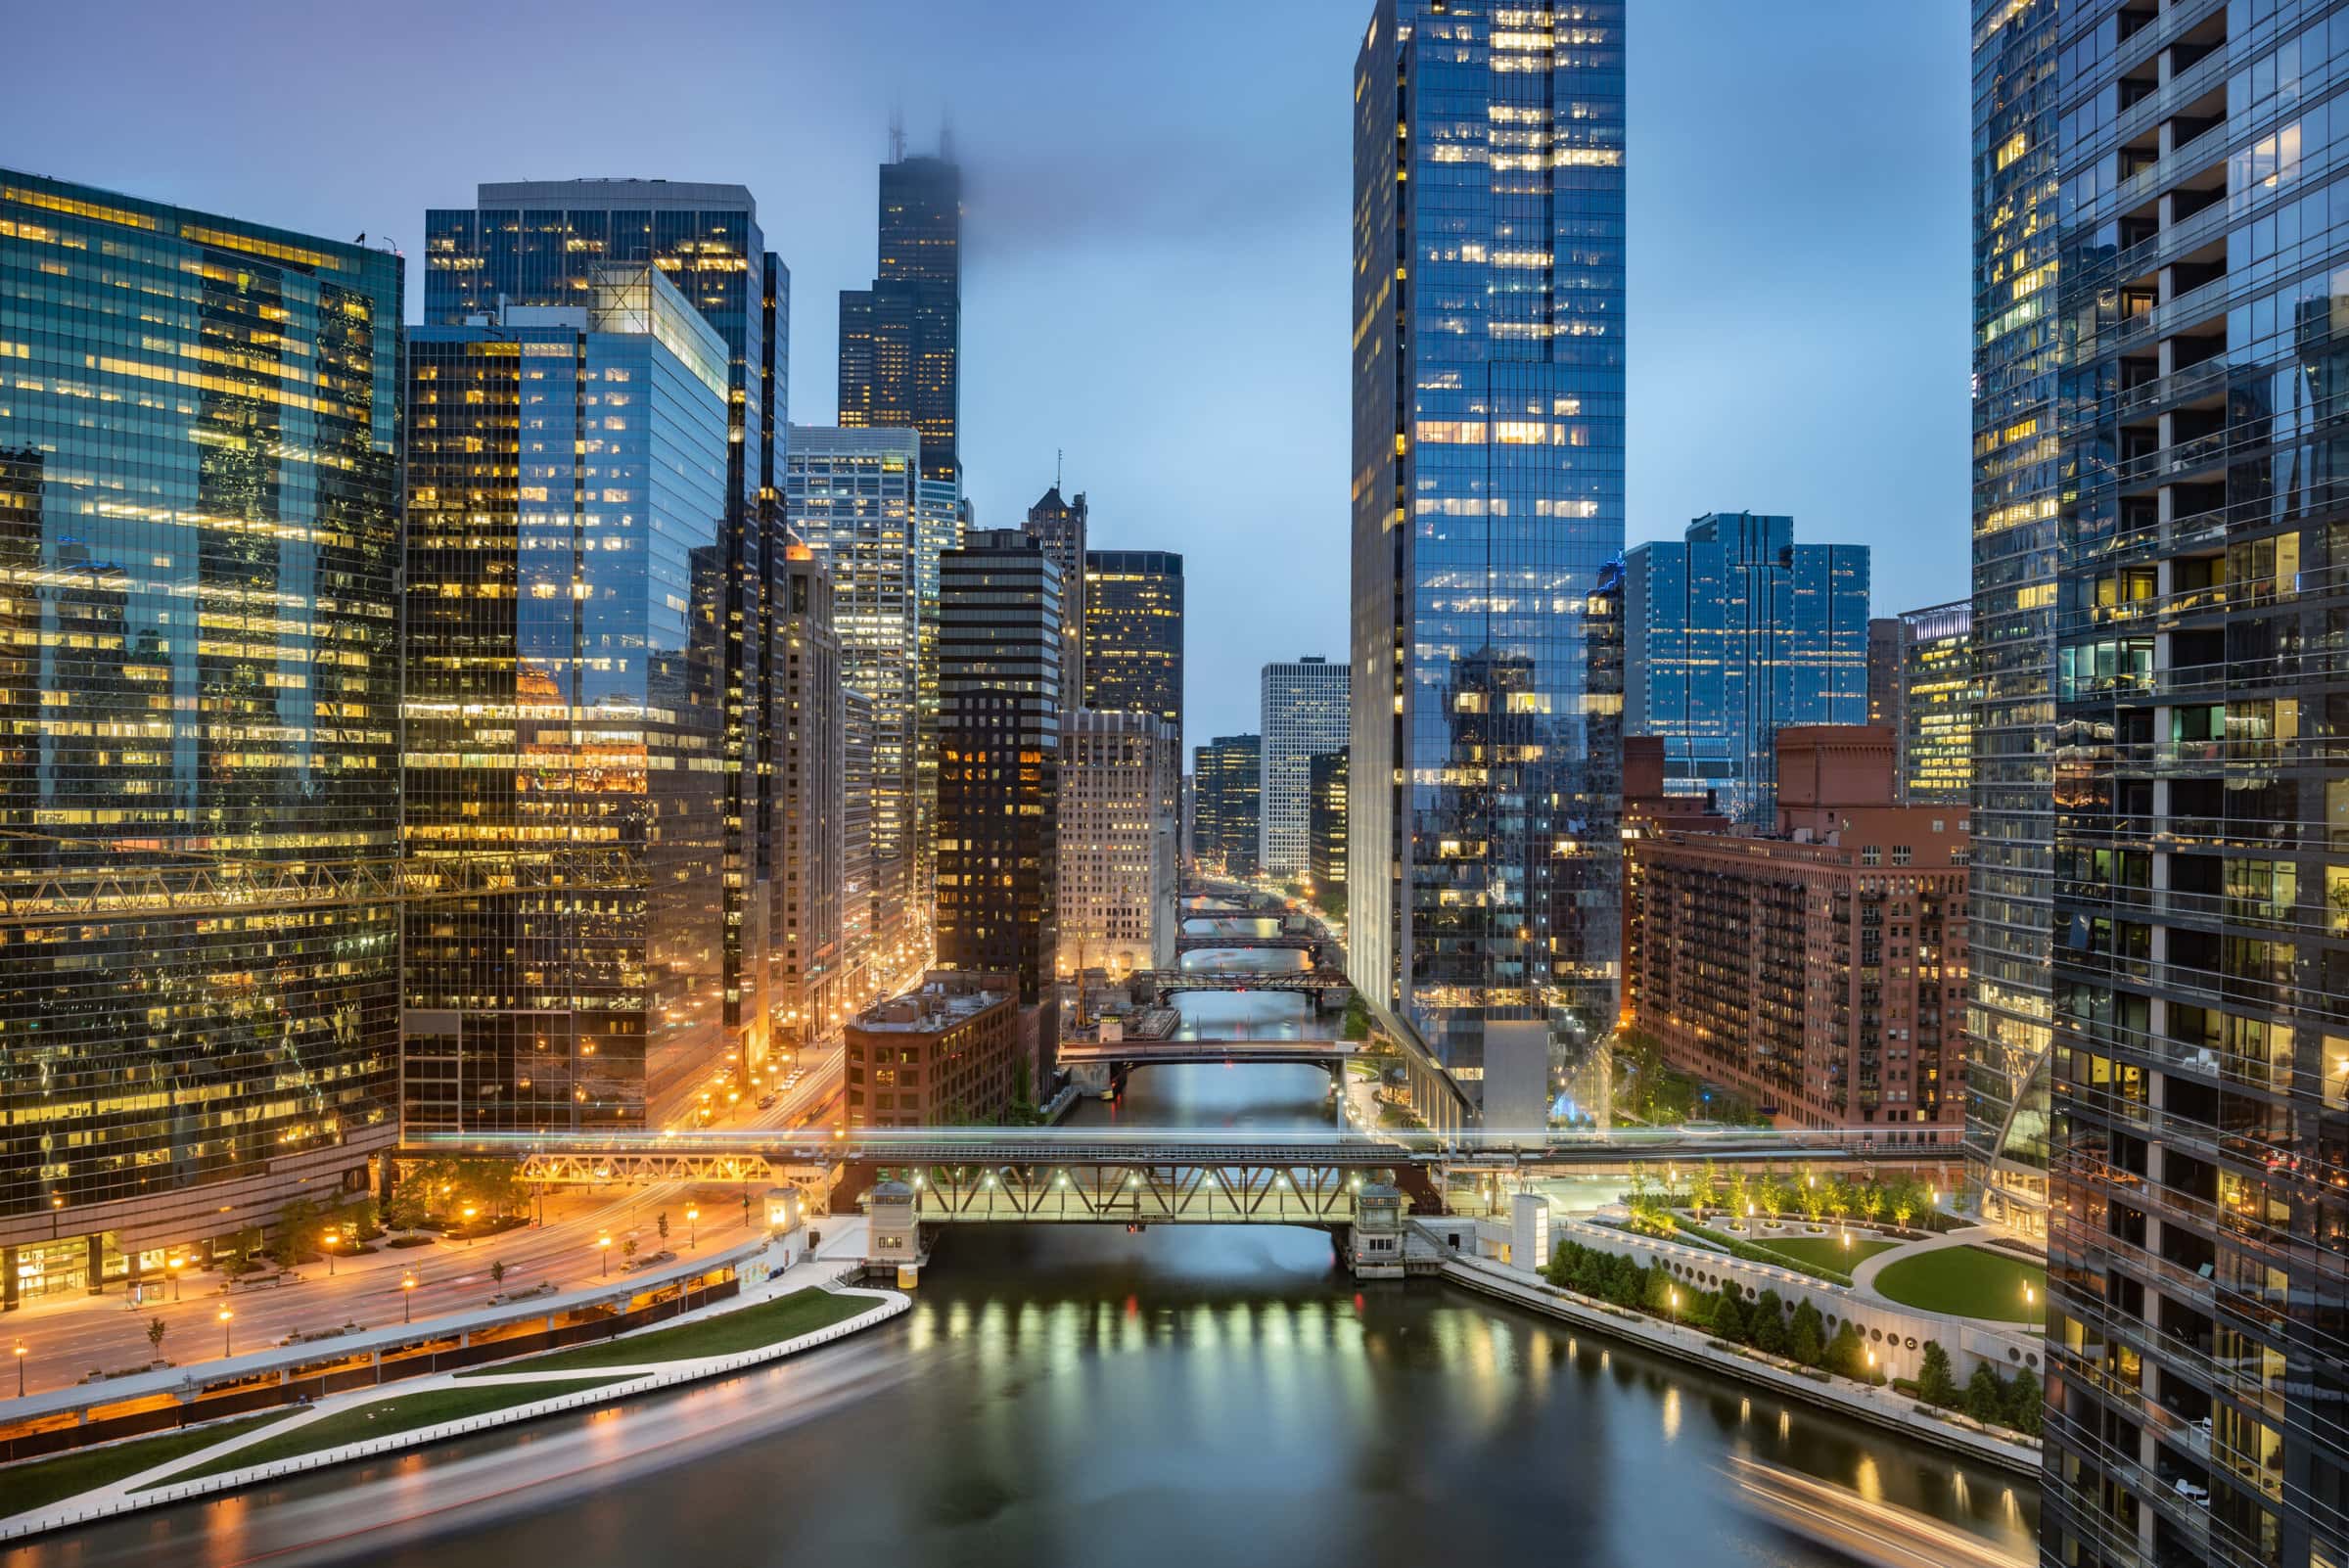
(946, 134)
(897, 136)
(1056, 456)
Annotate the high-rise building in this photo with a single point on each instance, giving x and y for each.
(1732, 635)
(565, 718)
(1133, 634)
(901, 341)
(851, 498)
(998, 791)
(1488, 386)
(2198, 1213)
(1302, 706)
(199, 698)
(1226, 776)
(1325, 832)
(1938, 694)
(1118, 784)
(1059, 527)
(2018, 480)
(809, 991)
(943, 1054)
(1818, 968)
(1887, 645)
(865, 962)
(539, 243)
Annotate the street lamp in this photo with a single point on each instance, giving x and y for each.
(605, 1242)
(173, 1266)
(2030, 1296)
(693, 1233)
(1675, 1305)
(330, 1241)
(21, 1368)
(470, 1211)
(407, 1298)
(225, 1316)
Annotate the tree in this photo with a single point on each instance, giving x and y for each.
(1847, 1352)
(1770, 1198)
(1871, 1201)
(497, 1272)
(1741, 1194)
(362, 1221)
(491, 1185)
(157, 1328)
(1839, 1199)
(1704, 1190)
(405, 1211)
(1768, 1323)
(1812, 1200)
(2025, 1397)
(1903, 1203)
(1729, 1317)
(247, 1245)
(1985, 1394)
(298, 1227)
(661, 1224)
(628, 1248)
(1807, 1335)
(1936, 1384)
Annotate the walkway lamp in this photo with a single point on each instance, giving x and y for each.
(693, 1234)
(2030, 1295)
(330, 1241)
(1675, 1305)
(407, 1298)
(605, 1242)
(172, 1265)
(470, 1211)
(21, 1355)
(225, 1316)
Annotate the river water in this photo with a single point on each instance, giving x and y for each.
(1085, 1396)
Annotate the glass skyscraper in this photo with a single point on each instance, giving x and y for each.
(1938, 699)
(1301, 712)
(1059, 526)
(1731, 635)
(565, 806)
(198, 699)
(1226, 774)
(2016, 481)
(1486, 872)
(1133, 634)
(901, 341)
(543, 242)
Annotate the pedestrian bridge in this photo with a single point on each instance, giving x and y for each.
(1205, 942)
(1159, 1052)
(1319, 984)
(1134, 1192)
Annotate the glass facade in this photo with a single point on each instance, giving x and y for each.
(199, 694)
(565, 813)
(1303, 712)
(1326, 832)
(1225, 774)
(2017, 479)
(1938, 696)
(809, 994)
(543, 243)
(1059, 526)
(1729, 636)
(1488, 387)
(1133, 634)
(901, 341)
(851, 497)
(2198, 1213)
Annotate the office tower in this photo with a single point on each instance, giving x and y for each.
(1938, 694)
(199, 694)
(1816, 968)
(857, 948)
(850, 495)
(1188, 848)
(1226, 776)
(807, 994)
(901, 340)
(2017, 483)
(536, 242)
(1133, 634)
(1487, 498)
(564, 933)
(1325, 832)
(1118, 784)
(1059, 527)
(999, 788)
(1303, 710)
(2198, 1224)
(1732, 635)
(1887, 644)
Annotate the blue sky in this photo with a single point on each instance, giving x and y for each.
(1157, 268)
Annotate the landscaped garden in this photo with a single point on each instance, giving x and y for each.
(42, 1482)
(803, 1312)
(1830, 1252)
(1970, 1281)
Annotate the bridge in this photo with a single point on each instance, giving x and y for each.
(1161, 1052)
(1319, 984)
(1294, 1188)
(1198, 941)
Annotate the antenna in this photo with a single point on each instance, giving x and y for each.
(1056, 457)
(897, 136)
(946, 134)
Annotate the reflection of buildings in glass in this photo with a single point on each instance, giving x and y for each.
(1936, 708)
(1487, 498)
(1059, 526)
(198, 824)
(856, 943)
(1732, 635)
(541, 243)
(901, 340)
(1226, 774)
(1325, 831)
(810, 792)
(1302, 711)
(565, 930)
(1134, 633)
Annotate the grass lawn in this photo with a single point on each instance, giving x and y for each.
(802, 1311)
(42, 1482)
(382, 1418)
(1827, 1251)
(1970, 1281)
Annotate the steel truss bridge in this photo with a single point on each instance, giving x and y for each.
(1195, 942)
(1262, 1190)
(1304, 982)
(1154, 1052)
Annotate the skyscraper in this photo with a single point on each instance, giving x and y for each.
(1733, 633)
(1325, 832)
(1302, 706)
(2017, 483)
(1118, 785)
(901, 341)
(1059, 527)
(1226, 774)
(1887, 644)
(2198, 1214)
(850, 495)
(1938, 696)
(565, 716)
(808, 996)
(1488, 500)
(998, 793)
(1133, 634)
(536, 242)
(199, 698)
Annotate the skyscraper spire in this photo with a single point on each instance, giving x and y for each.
(896, 135)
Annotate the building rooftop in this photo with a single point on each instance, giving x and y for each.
(929, 1008)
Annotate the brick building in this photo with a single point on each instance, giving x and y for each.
(1818, 969)
(942, 1054)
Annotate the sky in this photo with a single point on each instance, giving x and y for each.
(1157, 246)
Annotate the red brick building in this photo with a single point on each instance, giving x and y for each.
(946, 1052)
(1820, 969)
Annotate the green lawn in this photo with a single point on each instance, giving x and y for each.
(1827, 1251)
(39, 1483)
(752, 1328)
(383, 1418)
(1970, 1281)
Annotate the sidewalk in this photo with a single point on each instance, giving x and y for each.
(622, 1380)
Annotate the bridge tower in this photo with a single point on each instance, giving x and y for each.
(1375, 1240)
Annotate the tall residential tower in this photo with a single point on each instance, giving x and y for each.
(1303, 710)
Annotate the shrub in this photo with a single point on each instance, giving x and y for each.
(1729, 1317)
(1985, 1395)
(1847, 1354)
(1768, 1319)
(1806, 1336)
(2025, 1397)
(1935, 1383)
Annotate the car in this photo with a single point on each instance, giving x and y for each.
(767, 1102)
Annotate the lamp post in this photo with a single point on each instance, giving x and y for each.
(172, 1265)
(407, 1298)
(470, 1211)
(605, 1242)
(21, 1354)
(225, 1316)
(693, 1230)
(331, 1240)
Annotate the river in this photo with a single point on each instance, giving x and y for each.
(1080, 1397)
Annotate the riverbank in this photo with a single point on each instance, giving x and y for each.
(1881, 1407)
(171, 1469)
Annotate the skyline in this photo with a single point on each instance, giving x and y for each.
(1091, 312)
